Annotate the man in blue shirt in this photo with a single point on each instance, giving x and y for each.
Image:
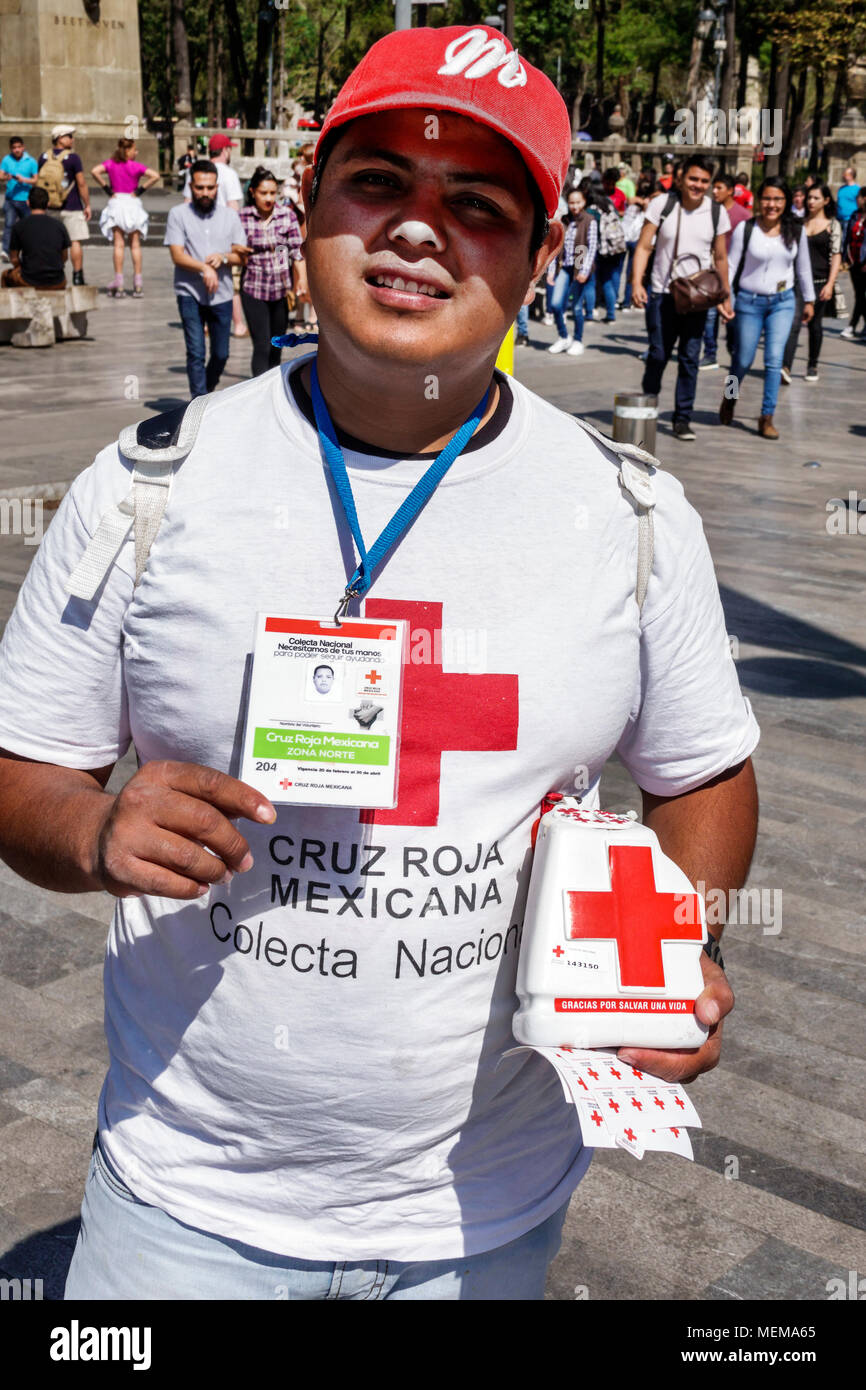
(18, 173)
(846, 198)
(205, 241)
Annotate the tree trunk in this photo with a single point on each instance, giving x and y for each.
(653, 102)
(600, 20)
(817, 118)
(694, 76)
(240, 72)
(180, 44)
(211, 63)
(726, 93)
(779, 102)
(219, 113)
(838, 99)
(795, 125)
(578, 99)
(743, 73)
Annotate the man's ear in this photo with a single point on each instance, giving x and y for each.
(547, 251)
(306, 185)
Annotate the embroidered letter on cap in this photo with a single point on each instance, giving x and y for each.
(475, 54)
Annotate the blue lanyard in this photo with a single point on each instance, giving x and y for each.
(405, 514)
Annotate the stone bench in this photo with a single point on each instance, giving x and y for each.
(41, 318)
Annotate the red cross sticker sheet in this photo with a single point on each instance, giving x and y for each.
(619, 1106)
(323, 713)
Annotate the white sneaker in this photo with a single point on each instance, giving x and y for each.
(576, 349)
(561, 345)
(5, 258)
(598, 315)
(847, 332)
(547, 320)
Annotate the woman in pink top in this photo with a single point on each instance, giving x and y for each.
(124, 216)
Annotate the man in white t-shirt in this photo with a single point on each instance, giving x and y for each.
(686, 238)
(308, 1012)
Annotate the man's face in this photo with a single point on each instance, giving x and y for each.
(16, 149)
(323, 679)
(64, 142)
(203, 188)
(694, 183)
(721, 191)
(418, 249)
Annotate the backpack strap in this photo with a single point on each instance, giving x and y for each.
(154, 446)
(747, 232)
(636, 468)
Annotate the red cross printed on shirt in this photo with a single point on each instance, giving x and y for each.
(636, 916)
(442, 712)
(372, 676)
(596, 1118)
(630, 1134)
(558, 951)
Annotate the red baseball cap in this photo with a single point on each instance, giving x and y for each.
(220, 142)
(473, 71)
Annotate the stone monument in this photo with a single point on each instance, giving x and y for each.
(74, 62)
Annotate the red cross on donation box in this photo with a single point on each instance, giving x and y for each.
(636, 915)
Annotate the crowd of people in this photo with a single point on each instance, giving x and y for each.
(776, 261)
(632, 242)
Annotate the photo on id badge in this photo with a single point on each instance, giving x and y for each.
(323, 712)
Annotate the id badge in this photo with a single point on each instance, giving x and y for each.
(781, 285)
(323, 714)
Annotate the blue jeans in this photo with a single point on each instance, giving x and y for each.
(772, 315)
(626, 299)
(711, 335)
(14, 210)
(568, 292)
(665, 327)
(129, 1250)
(218, 318)
(523, 321)
(609, 274)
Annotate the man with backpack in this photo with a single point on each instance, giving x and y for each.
(61, 174)
(689, 230)
(312, 1093)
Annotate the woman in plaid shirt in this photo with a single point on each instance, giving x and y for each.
(274, 267)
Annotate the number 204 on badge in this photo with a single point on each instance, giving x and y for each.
(323, 716)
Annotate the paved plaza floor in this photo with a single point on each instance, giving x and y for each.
(773, 1206)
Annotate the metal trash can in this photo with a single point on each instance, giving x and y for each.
(634, 420)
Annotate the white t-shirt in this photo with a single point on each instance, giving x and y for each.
(311, 1059)
(696, 238)
(228, 186)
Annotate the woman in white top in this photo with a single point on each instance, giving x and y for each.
(767, 255)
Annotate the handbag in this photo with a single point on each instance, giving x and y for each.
(698, 291)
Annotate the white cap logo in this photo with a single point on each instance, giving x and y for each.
(475, 54)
